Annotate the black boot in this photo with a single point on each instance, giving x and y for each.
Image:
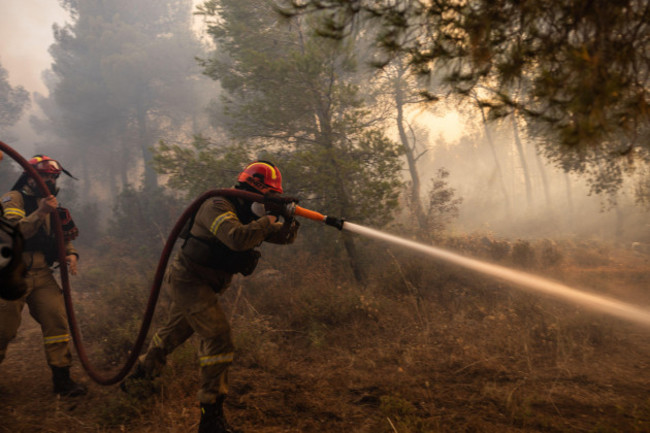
(213, 419)
(139, 384)
(64, 385)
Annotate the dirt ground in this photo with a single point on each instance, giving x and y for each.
(514, 364)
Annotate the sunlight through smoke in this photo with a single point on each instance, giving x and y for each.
(527, 281)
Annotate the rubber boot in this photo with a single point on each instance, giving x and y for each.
(139, 383)
(213, 419)
(64, 385)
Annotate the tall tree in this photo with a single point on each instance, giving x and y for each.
(584, 64)
(402, 90)
(123, 77)
(297, 97)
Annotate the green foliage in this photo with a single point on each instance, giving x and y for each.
(13, 101)
(443, 206)
(202, 166)
(577, 69)
(144, 217)
(297, 97)
(123, 76)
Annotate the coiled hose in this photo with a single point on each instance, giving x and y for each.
(157, 282)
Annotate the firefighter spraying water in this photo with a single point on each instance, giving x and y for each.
(251, 212)
(220, 240)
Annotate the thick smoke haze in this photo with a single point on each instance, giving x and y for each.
(25, 36)
(455, 142)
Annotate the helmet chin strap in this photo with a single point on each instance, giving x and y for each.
(51, 186)
(54, 190)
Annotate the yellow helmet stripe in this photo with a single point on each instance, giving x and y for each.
(273, 174)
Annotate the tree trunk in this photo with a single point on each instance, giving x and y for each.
(542, 171)
(150, 178)
(488, 136)
(620, 223)
(409, 151)
(522, 160)
(569, 195)
(344, 202)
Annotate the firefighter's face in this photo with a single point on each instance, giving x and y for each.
(49, 179)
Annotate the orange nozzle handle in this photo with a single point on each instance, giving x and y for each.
(310, 214)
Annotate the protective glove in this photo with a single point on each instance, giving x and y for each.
(70, 230)
(279, 205)
(260, 210)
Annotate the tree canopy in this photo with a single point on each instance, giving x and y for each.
(123, 76)
(287, 90)
(577, 69)
(296, 99)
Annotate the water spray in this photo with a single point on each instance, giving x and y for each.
(523, 280)
(288, 207)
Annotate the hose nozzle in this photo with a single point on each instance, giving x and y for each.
(312, 215)
(334, 222)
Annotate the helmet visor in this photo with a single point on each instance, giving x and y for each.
(49, 166)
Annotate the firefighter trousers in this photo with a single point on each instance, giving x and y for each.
(46, 305)
(195, 309)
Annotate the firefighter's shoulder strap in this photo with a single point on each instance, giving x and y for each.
(41, 241)
(215, 254)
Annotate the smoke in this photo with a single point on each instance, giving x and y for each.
(490, 177)
(25, 36)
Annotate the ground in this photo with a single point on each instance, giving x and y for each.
(392, 362)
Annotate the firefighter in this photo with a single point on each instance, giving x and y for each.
(221, 241)
(25, 206)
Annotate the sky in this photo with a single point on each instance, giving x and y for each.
(25, 35)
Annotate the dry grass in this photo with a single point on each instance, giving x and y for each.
(422, 348)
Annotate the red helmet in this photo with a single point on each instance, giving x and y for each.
(46, 165)
(262, 176)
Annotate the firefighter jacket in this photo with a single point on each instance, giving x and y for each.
(40, 249)
(223, 237)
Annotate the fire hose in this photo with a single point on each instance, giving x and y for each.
(290, 208)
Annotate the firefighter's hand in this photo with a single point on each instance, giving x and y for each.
(72, 263)
(280, 209)
(47, 205)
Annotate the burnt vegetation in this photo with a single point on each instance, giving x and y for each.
(340, 333)
(423, 346)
